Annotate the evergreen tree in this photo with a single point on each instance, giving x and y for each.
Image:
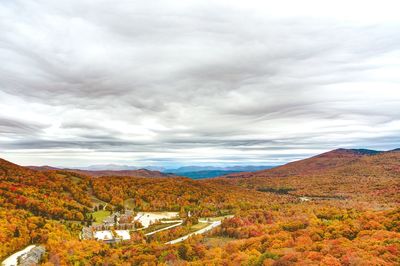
(16, 232)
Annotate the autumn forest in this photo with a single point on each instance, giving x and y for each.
(337, 208)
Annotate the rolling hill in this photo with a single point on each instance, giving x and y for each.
(319, 163)
(46, 193)
(135, 173)
(97, 173)
(364, 175)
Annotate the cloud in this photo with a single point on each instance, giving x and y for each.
(195, 82)
(17, 127)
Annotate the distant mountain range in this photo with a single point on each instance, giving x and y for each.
(237, 168)
(194, 172)
(199, 172)
(116, 167)
(329, 160)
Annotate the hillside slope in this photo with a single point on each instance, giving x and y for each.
(319, 163)
(45, 193)
(345, 174)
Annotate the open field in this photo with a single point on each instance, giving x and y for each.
(198, 226)
(99, 216)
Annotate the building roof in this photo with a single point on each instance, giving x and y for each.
(124, 234)
(103, 235)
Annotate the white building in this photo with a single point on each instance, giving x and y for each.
(108, 236)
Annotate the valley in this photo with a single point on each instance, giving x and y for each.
(338, 208)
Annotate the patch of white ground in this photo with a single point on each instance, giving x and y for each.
(148, 218)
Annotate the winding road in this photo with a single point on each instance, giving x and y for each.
(201, 231)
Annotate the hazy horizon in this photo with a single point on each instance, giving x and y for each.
(176, 165)
(166, 166)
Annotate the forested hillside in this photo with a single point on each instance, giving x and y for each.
(369, 177)
(175, 194)
(338, 208)
(313, 165)
(48, 194)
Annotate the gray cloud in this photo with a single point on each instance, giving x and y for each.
(194, 82)
(18, 127)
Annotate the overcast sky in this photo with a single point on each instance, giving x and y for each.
(196, 82)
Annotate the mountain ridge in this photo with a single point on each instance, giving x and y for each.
(194, 172)
(314, 164)
(99, 173)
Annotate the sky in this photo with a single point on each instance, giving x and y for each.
(205, 82)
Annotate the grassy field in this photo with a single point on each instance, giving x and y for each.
(198, 226)
(99, 216)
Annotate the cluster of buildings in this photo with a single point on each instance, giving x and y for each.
(118, 218)
(115, 228)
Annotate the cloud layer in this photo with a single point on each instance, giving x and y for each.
(199, 82)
